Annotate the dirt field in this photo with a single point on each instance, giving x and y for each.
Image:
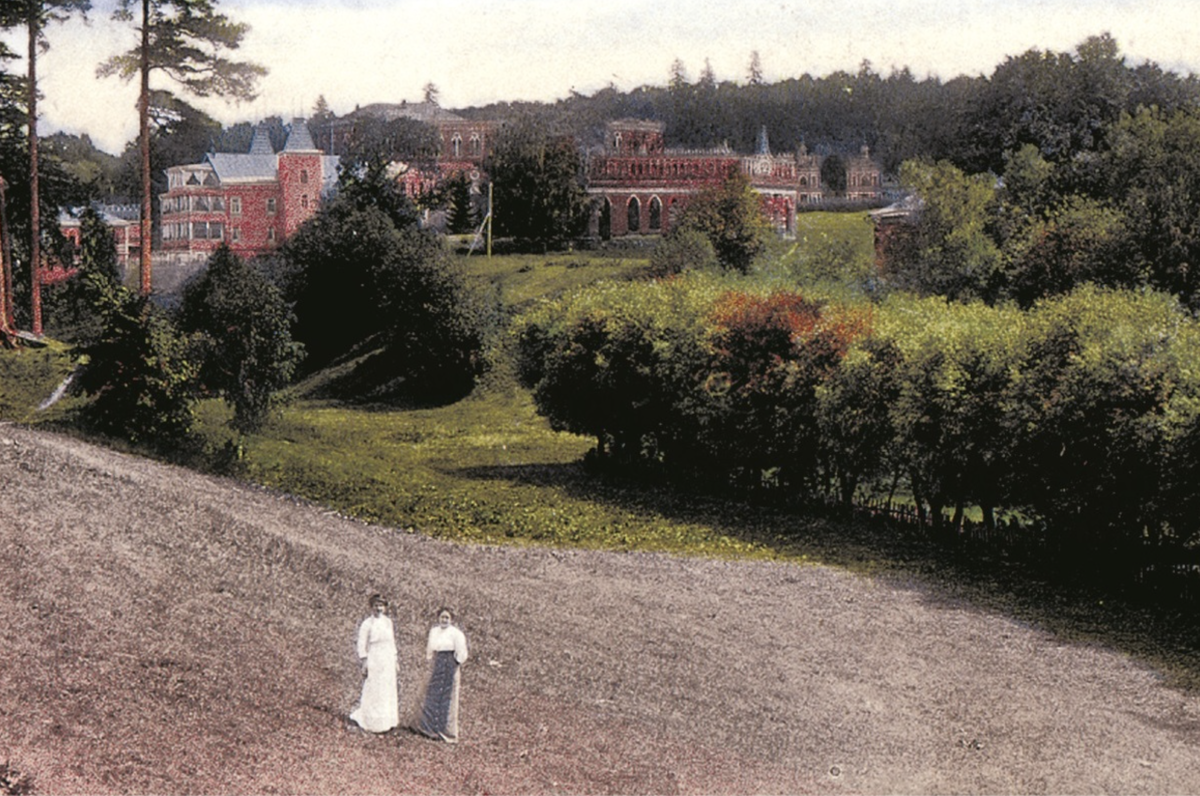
(166, 632)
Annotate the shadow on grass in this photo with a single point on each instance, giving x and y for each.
(1165, 634)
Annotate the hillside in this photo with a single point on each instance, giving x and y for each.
(167, 632)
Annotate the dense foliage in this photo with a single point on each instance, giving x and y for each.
(537, 184)
(1083, 412)
(71, 305)
(137, 372)
(731, 218)
(361, 270)
(242, 340)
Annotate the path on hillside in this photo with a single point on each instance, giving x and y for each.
(168, 632)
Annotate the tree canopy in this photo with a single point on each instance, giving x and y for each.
(537, 183)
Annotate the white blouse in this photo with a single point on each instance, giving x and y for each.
(444, 639)
(376, 631)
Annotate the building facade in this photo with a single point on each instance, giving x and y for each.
(463, 143)
(640, 185)
(251, 201)
(254, 201)
(123, 220)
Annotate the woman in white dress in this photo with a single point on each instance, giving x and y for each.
(446, 651)
(379, 708)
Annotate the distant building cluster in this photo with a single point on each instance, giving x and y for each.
(253, 201)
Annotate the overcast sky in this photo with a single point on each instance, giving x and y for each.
(355, 52)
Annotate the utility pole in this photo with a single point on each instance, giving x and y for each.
(490, 215)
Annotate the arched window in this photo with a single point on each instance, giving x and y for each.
(655, 214)
(476, 145)
(456, 145)
(635, 214)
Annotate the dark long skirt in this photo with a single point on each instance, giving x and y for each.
(439, 716)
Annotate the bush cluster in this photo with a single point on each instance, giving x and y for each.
(1082, 413)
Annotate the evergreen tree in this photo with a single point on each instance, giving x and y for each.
(243, 324)
(537, 179)
(183, 40)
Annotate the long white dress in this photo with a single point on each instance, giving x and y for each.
(446, 651)
(379, 708)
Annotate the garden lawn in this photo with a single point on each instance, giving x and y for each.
(486, 469)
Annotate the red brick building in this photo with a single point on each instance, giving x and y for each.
(464, 143)
(121, 219)
(251, 201)
(640, 185)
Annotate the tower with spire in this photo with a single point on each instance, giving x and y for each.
(300, 177)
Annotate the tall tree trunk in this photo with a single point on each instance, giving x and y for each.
(7, 331)
(144, 129)
(957, 523)
(35, 210)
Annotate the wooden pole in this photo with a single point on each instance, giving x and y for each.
(491, 214)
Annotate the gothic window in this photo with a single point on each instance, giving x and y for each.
(804, 182)
(456, 145)
(655, 214)
(476, 145)
(617, 142)
(635, 214)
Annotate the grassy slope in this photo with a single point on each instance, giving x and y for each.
(488, 469)
(28, 376)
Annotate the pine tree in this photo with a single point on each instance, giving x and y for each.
(183, 40)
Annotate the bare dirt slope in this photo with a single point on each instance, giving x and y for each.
(165, 632)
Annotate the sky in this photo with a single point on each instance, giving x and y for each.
(355, 52)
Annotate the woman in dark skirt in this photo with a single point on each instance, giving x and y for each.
(446, 651)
